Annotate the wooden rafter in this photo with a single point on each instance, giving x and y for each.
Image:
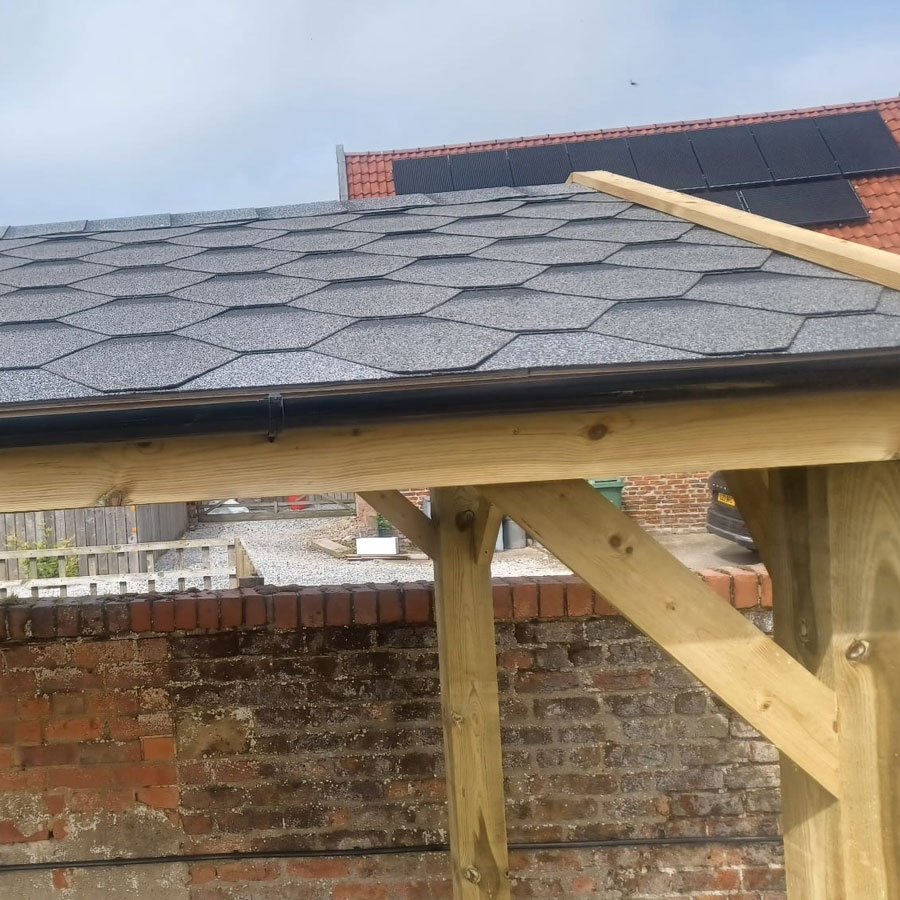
(406, 516)
(871, 263)
(667, 601)
(604, 441)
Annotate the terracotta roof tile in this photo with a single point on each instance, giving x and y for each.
(370, 174)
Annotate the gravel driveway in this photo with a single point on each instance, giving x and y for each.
(282, 553)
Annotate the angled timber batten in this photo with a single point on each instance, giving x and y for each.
(614, 286)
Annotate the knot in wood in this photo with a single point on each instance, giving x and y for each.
(472, 874)
(457, 718)
(856, 650)
(465, 519)
(615, 541)
(597, 432)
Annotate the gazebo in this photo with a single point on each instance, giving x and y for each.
(502, 346)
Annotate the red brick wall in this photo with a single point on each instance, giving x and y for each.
(668, 502)
(265, 721)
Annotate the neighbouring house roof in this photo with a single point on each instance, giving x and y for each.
(334, 295)
(369, 174)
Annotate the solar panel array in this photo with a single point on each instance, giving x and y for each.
(794, 171)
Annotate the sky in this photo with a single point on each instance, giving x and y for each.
(121, 107)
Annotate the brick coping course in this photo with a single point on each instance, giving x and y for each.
(292, 606)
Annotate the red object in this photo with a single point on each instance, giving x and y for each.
(298, 502)
(370, 174)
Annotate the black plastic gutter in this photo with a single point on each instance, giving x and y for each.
(357, 852)
(151, 417)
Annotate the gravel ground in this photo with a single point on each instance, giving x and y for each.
(282, 553)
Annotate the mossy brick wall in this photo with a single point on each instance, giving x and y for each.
(309, 718)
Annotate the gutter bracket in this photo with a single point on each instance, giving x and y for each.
(275, 403)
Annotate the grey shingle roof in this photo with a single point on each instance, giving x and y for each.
(511, 279)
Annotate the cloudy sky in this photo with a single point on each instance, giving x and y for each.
(118, 107)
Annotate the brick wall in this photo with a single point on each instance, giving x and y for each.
(676, 503)
(309, 718)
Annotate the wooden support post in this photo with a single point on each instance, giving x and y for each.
(667, 601)
(834, 558)
(469, 701)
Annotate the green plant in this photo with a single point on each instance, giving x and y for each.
(385, 529)
(47, 566)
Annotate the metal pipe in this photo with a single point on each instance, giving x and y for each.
(357, 852)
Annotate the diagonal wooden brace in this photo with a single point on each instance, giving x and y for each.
(667, 601)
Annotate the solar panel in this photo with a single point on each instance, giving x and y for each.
(794, 149)
(861, 142)
(807, 203)
(487, 168)
(427, 175)
(729, 198)
(729, 156)
(666, 160)
(539, 165)
(611, 155)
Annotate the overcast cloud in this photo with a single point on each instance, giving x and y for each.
(117, 107)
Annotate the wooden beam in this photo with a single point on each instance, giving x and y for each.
(470, 705)
(667, 601)
(604, 441)
(871, 263)
(836, 574)
(782, 519)
(406, 516)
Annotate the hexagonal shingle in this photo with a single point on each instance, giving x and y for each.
(787, 293)
(700, 235)
(414, 344)
(548, 250)
(339, 266)
(394, 223)
(279, 369)
(790, 265)
(235, 260)
(11, 262)
(466, 272)
(426, 243)
(259, 289)
(146, 281)
(502, 226)
(569, 209)
(45, 304)
(614, 282)
(375, 298)
(266, 328)
(28, 385)
(237, 236)
(847, 333)
(33, 345)
(143, 235)
(145, 363)
(708, 328)
(621, 230)
(889, 304)
(691, 257)
(467, 210)
(303, 223)
(518, 309)
(50, 274)
(319, 241)
(141, 315)
(576, 348)
(60, 248)
(142, 254)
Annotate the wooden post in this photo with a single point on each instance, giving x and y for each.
(469, 701)
(834, 556)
